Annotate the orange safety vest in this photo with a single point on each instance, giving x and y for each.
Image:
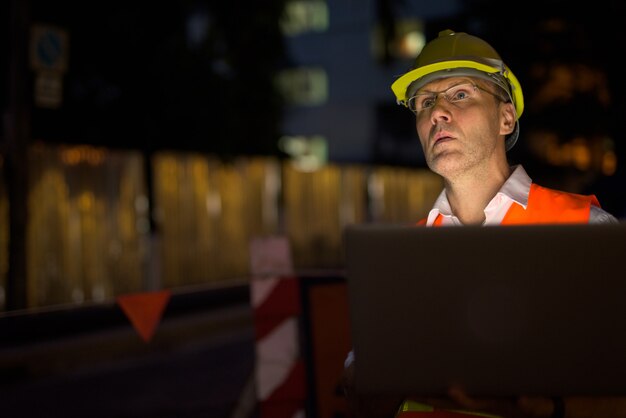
(544, 206)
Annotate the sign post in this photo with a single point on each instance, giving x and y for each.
(49, 51)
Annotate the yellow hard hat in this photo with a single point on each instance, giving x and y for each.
(456, 54)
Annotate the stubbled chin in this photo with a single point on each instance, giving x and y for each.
(445, 162)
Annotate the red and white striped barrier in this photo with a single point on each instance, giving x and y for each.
(280, 375)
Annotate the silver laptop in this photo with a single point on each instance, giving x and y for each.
(499, 310)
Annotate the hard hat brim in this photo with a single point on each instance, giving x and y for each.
(446, 69)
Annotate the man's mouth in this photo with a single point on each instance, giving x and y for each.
(441, 137)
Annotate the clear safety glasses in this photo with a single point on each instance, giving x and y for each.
(455, 94)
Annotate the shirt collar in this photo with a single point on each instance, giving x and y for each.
(515, 188)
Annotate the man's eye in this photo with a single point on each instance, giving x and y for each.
(427, 102)
(460, 95)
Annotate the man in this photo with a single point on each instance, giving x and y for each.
(467, 104)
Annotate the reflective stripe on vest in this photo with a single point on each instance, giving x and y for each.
(412, 409)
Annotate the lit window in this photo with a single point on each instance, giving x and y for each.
(197, 28)
(308, 153)
(303, 16)
(407, 43)
(303, 86)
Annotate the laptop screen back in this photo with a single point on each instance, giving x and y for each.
(501, 311)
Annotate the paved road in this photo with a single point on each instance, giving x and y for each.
(192, 368)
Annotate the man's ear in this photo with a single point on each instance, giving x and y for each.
(507, 118)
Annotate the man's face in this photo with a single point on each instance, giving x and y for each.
(458, 136)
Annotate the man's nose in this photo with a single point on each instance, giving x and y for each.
(439, 98)
(440, 107)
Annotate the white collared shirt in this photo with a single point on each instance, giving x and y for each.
(514, 190)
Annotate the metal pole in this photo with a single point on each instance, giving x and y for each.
(15, 149)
